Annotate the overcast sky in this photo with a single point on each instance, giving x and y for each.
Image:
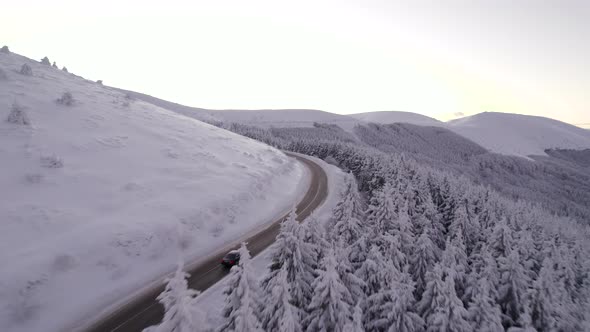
(438, 58)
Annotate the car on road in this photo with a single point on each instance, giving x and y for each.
(231, 258)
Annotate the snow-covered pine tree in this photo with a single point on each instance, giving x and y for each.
(65, 69)
(354, 284)
(484, 312)
(450, 314)
(314, 235)
(278, 314)
(329, 309)
(501, 241)
(423, 259)
(45, 61)
(298, 258)
(513, 285)
(358, 251)
(543, 302)
(357, 320)
(240, 312)
(454, 262)
(403, 229)
(4, 50)
(180, 311)
(433, 296)
(54, 65)
(400, 316)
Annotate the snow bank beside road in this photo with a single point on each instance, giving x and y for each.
(96, 197)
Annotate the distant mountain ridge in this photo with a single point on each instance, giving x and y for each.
(504, 133)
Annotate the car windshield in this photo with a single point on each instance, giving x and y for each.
(232, 255)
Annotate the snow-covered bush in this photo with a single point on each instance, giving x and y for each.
(33, 178)
(65, 69)
(66, 99)
(26, 70)
(45, 61)
(99, 82)
(54, 65)
(52, 161)
(18, 115)
(4, 49)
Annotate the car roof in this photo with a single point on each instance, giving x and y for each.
(234, 252)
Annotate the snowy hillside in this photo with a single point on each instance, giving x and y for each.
(280, 118)
(387, 117)
(100, 191)
(286, 118)
(520, 135)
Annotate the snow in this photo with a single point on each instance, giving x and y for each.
(286, 118)
(521, 135)
(387, 117)
(504, 133)
(101, 197)
(211, 300)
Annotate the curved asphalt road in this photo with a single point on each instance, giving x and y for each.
(145, 311)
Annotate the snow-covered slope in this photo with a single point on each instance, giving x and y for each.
(387, 117)
(520, 135)
(100, 197)
(286, 118)
(262, 118)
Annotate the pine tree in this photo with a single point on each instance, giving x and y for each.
(513, 286)
(400, 317)
(290, 251)
(501, 240)
(314, 236)
(450, 314)
(484, 313)
(329, 309)
(240, 310)
(433, 296)
(402, 227)
(54, 65)
(357, 321)
(278, 314)
(354, 284)
(45, 61)
(4, 49)
(180, 311)
(423, 260)
(350, 207)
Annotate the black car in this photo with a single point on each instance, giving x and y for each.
(231, 258)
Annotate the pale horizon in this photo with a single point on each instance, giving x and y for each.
(441, 61)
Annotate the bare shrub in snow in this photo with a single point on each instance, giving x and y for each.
(64, 262)
(52, 162)
(4, 50)
(66, 99)
(45, 61)
(34, 178)
(18, 115)
(65, 69)
(26, 70)
(3, 76)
